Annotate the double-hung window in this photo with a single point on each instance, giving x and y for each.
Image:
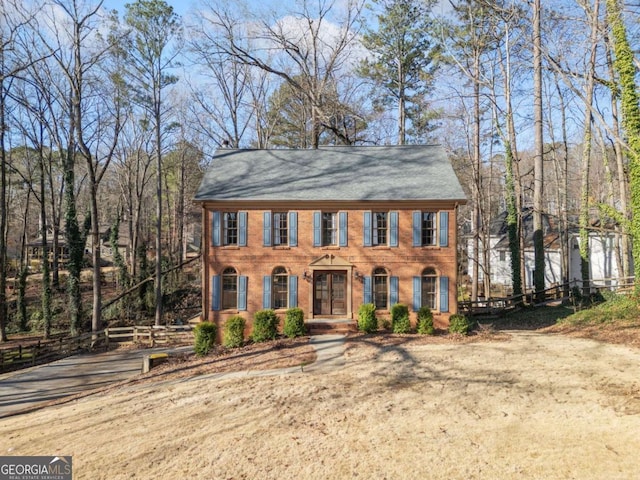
(380, 288)
(429, 288)
(381, 229)
(428, 230)
(229, 288)
(329, 228)
(230, 228)
(280, 229)
(380, 225)
(280, 288)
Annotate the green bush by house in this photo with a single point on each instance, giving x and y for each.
(367, 321)
(205, 338)
(233, 335)
(459, 324)
(400, 318)
(425, 321)
(265, 325)
(294, 323)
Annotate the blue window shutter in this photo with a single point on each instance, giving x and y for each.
(393, 229)
(367, 290)
(242, 229)
(242, 292)
(293, 291)
(266, 291)
(444, 229)
(417, 229)
(266, 229)
(215, 293)
(393, 290)
(417, 293)
(367, 230)
(215, 229)
(293, 229)
(317, 229)
(444, 294)
(343, 228)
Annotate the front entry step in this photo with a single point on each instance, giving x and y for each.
(318, 326)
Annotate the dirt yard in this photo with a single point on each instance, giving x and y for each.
(519, 405)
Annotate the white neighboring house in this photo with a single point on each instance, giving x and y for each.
(602, 243)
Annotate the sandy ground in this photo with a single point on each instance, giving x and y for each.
(529, 406)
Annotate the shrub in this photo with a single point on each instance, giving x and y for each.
(294, 323)
(425, 321)
(367, 321)
(459, 324)
(265, 325)
(400, 318)
(233, 336)
(205, 338)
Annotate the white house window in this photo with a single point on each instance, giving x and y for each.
(429, 288)
(230, 228)
(280, 288)
(380, 288)
(229, 288)
(329, 228)
(428, 230)
(380, 224)
(280, 229)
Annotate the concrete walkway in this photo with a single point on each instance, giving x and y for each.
(25, 390)
(330, 352)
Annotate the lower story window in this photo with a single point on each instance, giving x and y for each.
(429, 288)
(229, 288)
(280, 290)
(380, 288)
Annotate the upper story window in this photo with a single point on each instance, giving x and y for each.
(428, 230)
(380, 225)
(329, 228)
(229, 288)
(230, 228)
(381, 229)
(280, 229)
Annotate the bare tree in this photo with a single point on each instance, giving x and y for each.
(312, 47)
(13, 19)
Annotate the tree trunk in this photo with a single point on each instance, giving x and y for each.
(158, 282)
(4, 312)
(538, 232)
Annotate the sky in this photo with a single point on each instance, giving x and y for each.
(179, 6)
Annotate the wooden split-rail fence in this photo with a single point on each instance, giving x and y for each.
(43, 351)
(498, 306)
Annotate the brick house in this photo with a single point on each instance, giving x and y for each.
(327, 230)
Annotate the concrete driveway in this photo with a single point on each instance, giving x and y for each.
(25, 389)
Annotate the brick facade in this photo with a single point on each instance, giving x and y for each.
(403, 263)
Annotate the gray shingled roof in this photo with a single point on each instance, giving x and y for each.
(408, 172)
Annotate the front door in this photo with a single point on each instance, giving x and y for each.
(329, 293)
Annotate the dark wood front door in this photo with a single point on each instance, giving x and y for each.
(329, 293)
